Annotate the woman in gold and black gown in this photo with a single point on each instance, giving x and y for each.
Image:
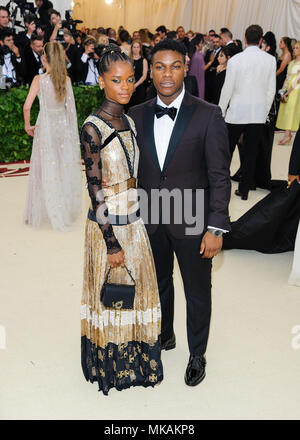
(120, 348)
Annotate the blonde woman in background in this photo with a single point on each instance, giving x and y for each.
(103, 39)
(54, 187)
(289, 110)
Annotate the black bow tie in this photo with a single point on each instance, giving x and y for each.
(161, 111)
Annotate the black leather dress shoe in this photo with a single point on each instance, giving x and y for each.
(195, 371)
(169, 344)
(243, 196)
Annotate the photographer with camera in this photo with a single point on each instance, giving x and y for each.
(87, 63)
(33, 55)
(24, 37)
(4, 18)
(11, 60)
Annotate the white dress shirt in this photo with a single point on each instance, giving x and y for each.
(38, 60)
(249, 87)
(92, 76)
(163, 128)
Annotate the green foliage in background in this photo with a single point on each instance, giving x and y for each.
(15, 144)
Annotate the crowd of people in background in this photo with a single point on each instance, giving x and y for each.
(207, 58)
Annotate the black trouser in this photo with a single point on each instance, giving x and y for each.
(196, 275)
(252, 136)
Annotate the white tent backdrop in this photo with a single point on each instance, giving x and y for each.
(280, 16)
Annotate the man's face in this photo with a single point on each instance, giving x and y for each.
(211, 36)
(162, 35)
(135, 35)
(112, 34)
(37, 46)
(168, 72)
(9, 42)
(38, 3)
(4, 18)
(54, 19)
(225, 39)
(180, 33)
(217, 43)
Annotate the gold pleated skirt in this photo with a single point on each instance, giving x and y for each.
(120, 348)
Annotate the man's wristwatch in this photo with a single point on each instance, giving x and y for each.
(215, 232)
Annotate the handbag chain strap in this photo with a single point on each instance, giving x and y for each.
(128, 271)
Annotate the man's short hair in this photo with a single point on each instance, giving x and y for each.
(253, 34)
(217, 36)
(225, 31)
(6, 33)
(212, 30)
(168, 44)
(54, 11)
(35, 37)
(89, 40)
(3, 8)
(172, 35)
(29, 18)
(162, 29)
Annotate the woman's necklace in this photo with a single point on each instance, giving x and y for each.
(113, 116)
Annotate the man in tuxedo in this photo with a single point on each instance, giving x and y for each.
(24, 37)
(11, 58)
(183, 147)
(246, 99)
(33, 61)
(86, 63)
(4, 18)
(213, 64)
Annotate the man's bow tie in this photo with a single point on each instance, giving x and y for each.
(161, 111)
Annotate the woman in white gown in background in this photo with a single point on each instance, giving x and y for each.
(54, 188)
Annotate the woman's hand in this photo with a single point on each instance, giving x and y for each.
(115, 260)
(30, 129)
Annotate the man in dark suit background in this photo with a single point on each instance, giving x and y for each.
(24, 37)
(183, 145)
(33, 55)
(11, 58)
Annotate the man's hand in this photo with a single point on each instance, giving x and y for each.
(210, 245)
(89, 49)
(15, 51)
(292, 177)
(31, 28)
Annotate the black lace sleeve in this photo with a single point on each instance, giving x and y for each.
(90, 147)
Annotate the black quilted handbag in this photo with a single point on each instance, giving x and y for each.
(118, 296)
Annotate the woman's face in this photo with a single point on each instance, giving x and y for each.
(103, 40)
(282, 44)
(199, 46)
(136, 50)
(222, 59)
(296, 50)
(118, 82)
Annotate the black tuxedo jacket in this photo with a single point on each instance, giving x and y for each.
(32, 66)
(294, 165)
(198, 157)
(81, 69)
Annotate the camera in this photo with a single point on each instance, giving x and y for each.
(5, 83)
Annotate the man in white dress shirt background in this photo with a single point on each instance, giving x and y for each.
(246, 99)
(183, 145)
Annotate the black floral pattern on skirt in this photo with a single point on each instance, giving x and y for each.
(121, 366)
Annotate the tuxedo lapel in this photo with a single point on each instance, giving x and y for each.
(148, 125)
(185, 113)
